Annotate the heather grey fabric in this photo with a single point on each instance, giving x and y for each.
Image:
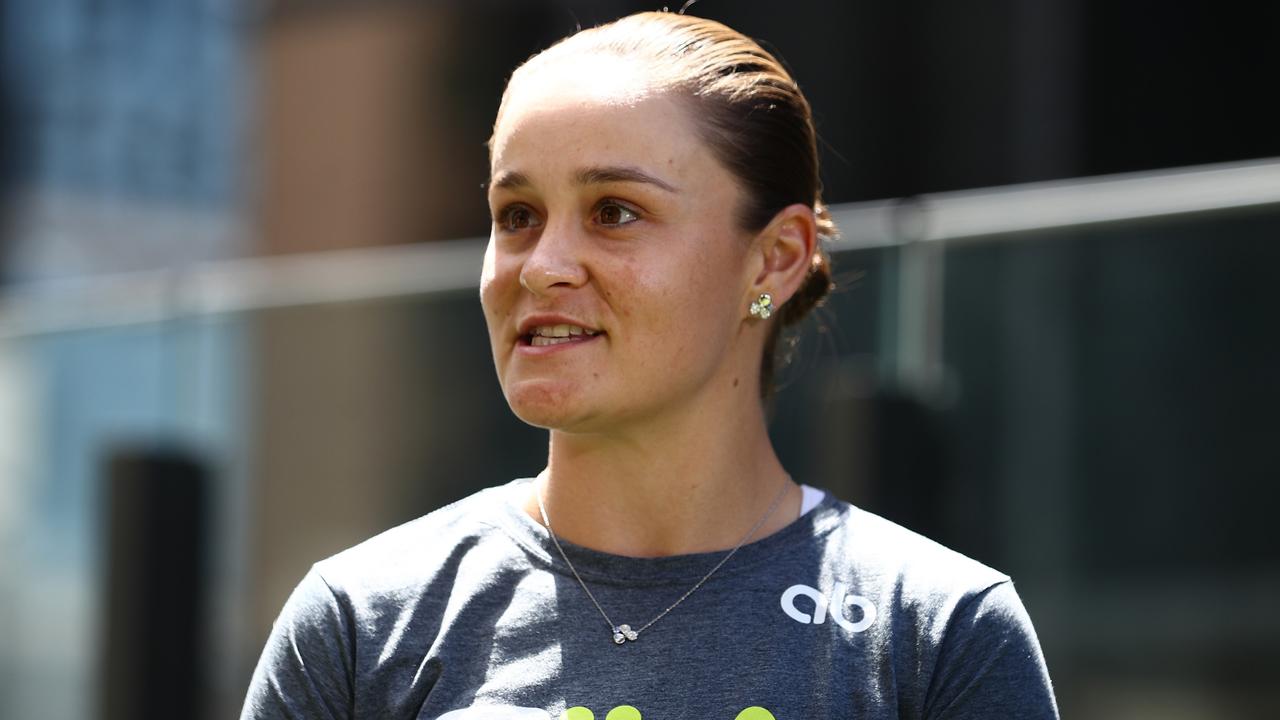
(469, 613)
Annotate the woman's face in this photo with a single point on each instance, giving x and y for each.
(615, 282)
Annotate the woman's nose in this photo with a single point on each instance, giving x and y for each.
(554, 263)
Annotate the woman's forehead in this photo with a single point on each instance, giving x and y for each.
(600, 78)
(573, 122)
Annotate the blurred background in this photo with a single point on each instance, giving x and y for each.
(239, 326)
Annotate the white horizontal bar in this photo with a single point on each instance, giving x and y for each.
(232, 286)
(970, 214)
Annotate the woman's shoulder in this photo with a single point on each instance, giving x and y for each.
(423, 549)
(902, 561)
(939, 610)
(969, 629)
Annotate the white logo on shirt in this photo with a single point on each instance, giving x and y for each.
(836, 603)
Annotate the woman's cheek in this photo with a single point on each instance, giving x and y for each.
(498, 278)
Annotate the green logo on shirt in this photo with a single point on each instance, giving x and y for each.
(622, 712)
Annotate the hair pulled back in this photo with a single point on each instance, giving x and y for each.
(751, 113)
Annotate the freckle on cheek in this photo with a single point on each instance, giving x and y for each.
(735, 382)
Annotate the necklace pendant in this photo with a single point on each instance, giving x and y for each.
(623, 633)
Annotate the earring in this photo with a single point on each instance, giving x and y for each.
(762, 307)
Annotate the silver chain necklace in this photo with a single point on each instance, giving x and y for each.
(624, 633)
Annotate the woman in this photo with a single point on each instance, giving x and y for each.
(656, 221)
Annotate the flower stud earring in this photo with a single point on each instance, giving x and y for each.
(762, 307)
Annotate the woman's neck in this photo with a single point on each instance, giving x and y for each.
(666, 489)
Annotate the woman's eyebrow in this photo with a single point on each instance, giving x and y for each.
(508, 180)
(620, 173)
(587, 176)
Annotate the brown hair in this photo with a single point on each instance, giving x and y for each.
(752, 114)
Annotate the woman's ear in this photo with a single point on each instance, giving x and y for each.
(786, 245)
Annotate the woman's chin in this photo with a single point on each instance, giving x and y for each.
(553, 405)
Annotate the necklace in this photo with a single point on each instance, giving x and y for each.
(624, 633)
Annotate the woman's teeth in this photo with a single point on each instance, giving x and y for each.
(539, 341)
(557, 334)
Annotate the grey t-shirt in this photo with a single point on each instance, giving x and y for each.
(468, 613)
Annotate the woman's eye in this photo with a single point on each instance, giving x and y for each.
(517, 217)
(615, 214)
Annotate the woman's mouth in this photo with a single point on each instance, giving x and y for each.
(543, 335)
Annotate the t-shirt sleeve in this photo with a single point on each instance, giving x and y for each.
(990, 664)
(305, 670)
